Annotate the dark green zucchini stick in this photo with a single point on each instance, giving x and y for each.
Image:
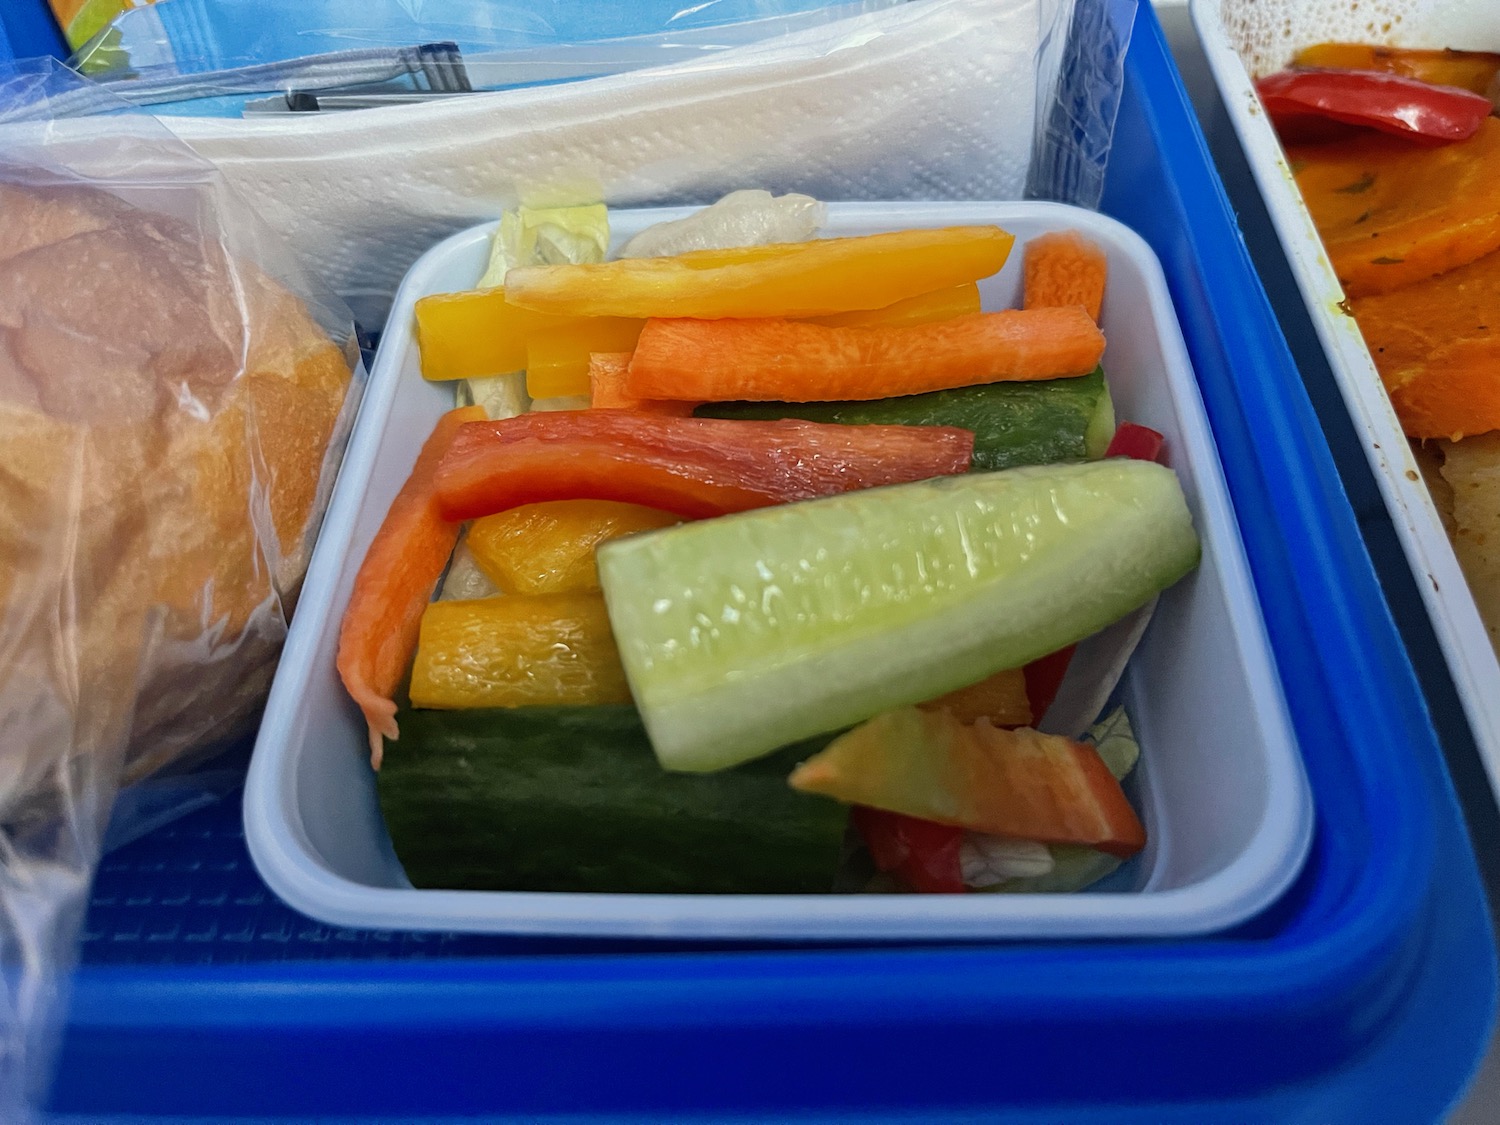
(572, 799)
(1013, 423)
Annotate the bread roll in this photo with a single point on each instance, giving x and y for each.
(166, 416)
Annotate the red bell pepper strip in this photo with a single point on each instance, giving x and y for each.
(921, 853)
(393, 586)
(695, 467)
(1140, 443)
(1392, 103)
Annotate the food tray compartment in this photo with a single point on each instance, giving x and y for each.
(1227, 827)
(1241, 44)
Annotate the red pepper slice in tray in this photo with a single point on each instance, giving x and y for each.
(394, 584)
(695, 467)
(1392, 103)
(1140, 443)
(921, 853)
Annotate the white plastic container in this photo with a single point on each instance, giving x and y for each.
(1220, 785)
(1243, 42)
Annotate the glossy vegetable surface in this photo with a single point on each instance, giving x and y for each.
(738, 636)
(1468, 70)
(1030, 423)
(1436, 344)
(549, 548)
(557, 359)
(517, 651)
(1390, 214)
(1391, 103)
(802, 279)
(694, 467)
(475, 334)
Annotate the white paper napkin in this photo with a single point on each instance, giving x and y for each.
(931, 99)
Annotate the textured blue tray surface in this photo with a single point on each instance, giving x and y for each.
(1364, 997)
(188, 894)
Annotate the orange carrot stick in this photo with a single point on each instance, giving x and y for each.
(1064, 268)
(787, 361)
(394, 585)
(607, 371)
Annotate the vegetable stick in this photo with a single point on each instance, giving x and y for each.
(557, 361)
(607, 372)
(1064, 268)
(802, 279)
(394, 584)
(1016, 783)
(694, 467)
(781, 360)
(924, 308)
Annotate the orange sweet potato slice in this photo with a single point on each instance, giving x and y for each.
(1391, 214)
(1437, 347)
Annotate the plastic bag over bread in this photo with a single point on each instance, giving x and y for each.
(181, 404)
(174, 398)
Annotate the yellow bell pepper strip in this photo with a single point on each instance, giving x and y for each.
(557, 359)
(924, 308)
(549, 548)
(401, 568)
(476, 334)
(801, 279)
(537, 650)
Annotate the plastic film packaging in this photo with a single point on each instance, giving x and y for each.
(193, 36)
(932, 99)
(200, 56)
(174, 395)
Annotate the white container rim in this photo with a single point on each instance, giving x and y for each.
(1460, 631)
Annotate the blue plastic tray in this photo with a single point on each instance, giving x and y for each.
(1365, 996)
(27, 30)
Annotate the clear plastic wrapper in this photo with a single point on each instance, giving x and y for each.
(932, 99)
(199, 35)
(186, 51)
(1080, 73)
(174, 395)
